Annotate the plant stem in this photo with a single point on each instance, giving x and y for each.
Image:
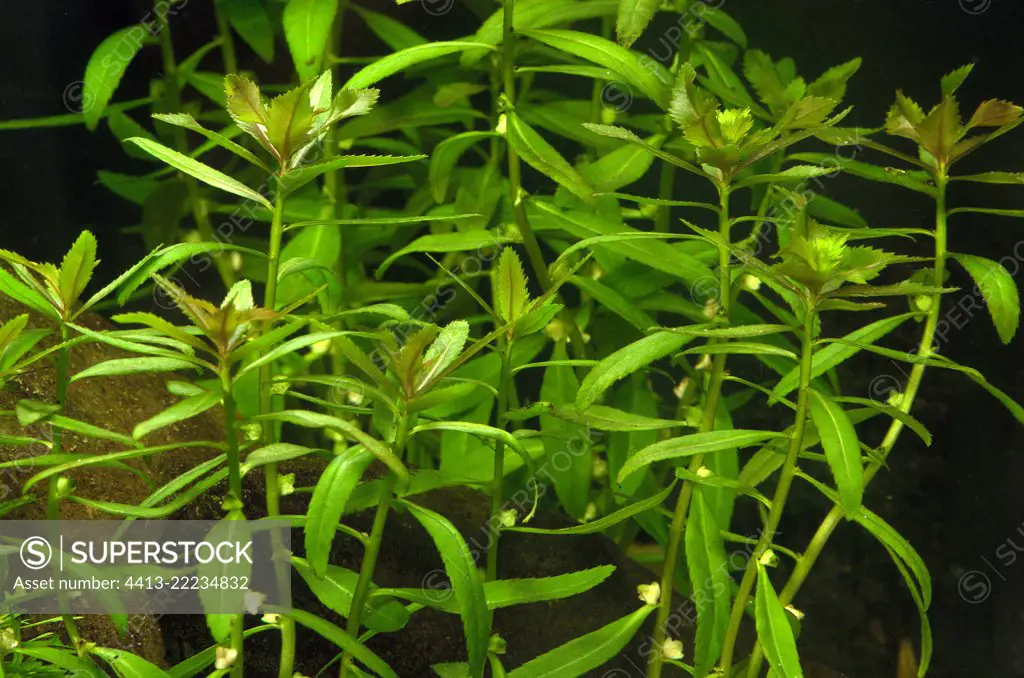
(227, 40)
(712, 394)
(369, 564)
(497, 484)
(530, 242)
(53, 487)
(924, 348)
(235, 490)
(786, 476)
(199, 211)
(266, 399)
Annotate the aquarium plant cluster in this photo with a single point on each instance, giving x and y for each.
(537, 262)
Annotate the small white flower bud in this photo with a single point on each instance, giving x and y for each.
(590, 512)
(649, 593)
(508, 517)
(672, 649)
(680, 389)
(750, 282)
(225, 658)
(795, 612)
(705, 472)
(710, 308)
(768, 558)
(704, 363)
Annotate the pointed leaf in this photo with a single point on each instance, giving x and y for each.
(399, 61)
(695, 443)
(633, 18)
(709, 577)
(307, 28)
(773, 629)
(842, 448)
(999, 290)
(77, 267)
(626, 361)
(328, 504)
(543, 157)
(105, 69)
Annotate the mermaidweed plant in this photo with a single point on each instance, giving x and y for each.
(612, 365)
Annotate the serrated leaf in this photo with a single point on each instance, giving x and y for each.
(202, 172)
(76, 269)
(510, 290)
(446, 156)
(444, 350)
(327, 504)
(188, 122)
(395, 34)
(999, 290)
(464, 241)
(299, 176)
(181, 410)
(335, 589)
(633, 18)
(466, 582)
(951, 81)
(624, 362)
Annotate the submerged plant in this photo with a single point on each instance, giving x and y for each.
(456, 292)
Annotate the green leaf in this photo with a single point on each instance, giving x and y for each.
(335, 589)
(619, 168)
(572, 477)
(999, 290)
(634, 17)
(466, 582)
(202, 172)
(275, 453)
(603, 523)
(290, 346)
(339, 637)
(399, 61)
(510, 294)
(587, 652)
(842, 449)
(624, 362)
(121, 366)
(446, 156)
(63, 659)
(647, 75)
(724, 24)
(509, 592)
(76, 269)
(614, 302)
(126, 664)
(444, 350)
(795, 173)
(105, 69)
(459, 241)
(709, 577)
(188, 122)
(773, 629)
(834, 354)
(605, 418)
(251, 20)
(647, 250)
(887, 175)
(184, 409)
(741, 347)
(319, 245)
(328, 504)
(901, 416)
(299, 176)
(395, 34)
(951, 81)
(543, 157)
(307, 28)
(536, 14)
(695, 443)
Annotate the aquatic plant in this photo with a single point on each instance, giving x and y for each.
(549, 339)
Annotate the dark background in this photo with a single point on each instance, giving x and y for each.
(958, 501)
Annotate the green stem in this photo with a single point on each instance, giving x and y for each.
(906, 403)
(786, 476)
(497, 484)
(272, 487)
(200, 214)
(53, 487)
(713, 393)
(373, 545)
(235, 490)
(530, 242)
(227, 40)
